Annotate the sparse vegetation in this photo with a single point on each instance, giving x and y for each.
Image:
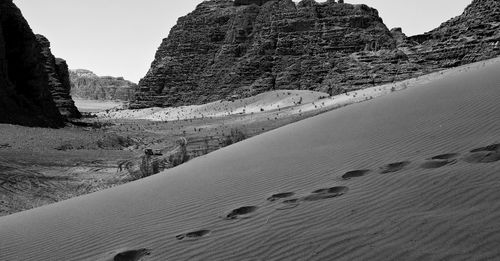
(235, 136)
(149, 166)
(114, 142)
(92, 124)
(181, 156)
(106, 152)
(64, 147)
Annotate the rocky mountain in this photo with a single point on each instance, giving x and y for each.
(226, 48)
(470, 37)
(244, 47)
(87, 85)
(25, 96)
(59, 83)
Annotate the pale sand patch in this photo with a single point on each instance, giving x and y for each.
(269, 101)
(220, 201)
(96, 106)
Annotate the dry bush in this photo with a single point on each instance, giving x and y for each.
(235, 136)
(181, 156)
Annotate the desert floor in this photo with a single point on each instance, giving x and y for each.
(42, 166)
(95, 105)
(413, 175)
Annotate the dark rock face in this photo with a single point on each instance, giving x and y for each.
(25, 97)
(243, 48)
(59, 84)
(87, 85)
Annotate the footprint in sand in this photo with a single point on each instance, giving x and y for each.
(394, 167)
(279, 196)
(132, 255)
(489, 148)
(447, 156)
(355, 174)
(440, 161)
(326, 193)
(241, 213)
(193, 235)
(483, 157)
(319, 194)
(488, 154)
(289, 203)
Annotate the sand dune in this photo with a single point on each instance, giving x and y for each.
(413, 175)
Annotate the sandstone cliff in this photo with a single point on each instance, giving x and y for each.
(245, 47)
(25, 97)
(59, 83)
(470, 37)
(87, 85)
(227, 48)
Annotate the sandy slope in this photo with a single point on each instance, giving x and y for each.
(220, 206)
(273, 100)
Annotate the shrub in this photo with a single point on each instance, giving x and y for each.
(181, 156)
(148, 166)
(65, 147)
(235, 136)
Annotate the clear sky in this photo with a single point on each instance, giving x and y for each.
(120, 37)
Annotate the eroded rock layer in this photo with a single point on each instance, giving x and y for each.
(228, 48)
(25, 97)
(470, 37)
(87, 85)
(224, 49)
(59, 83)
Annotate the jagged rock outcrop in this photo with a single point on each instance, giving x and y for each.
(87, 85)
(59, 83)
(250, 2)
(470, 37)
(25, 97)
(246, 47)
(224, 49)
(399, 36)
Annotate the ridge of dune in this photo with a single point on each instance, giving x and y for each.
(413, 175)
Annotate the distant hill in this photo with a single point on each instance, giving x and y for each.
(87, 85)
(245, 47)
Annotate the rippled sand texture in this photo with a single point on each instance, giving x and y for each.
(411, 175)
